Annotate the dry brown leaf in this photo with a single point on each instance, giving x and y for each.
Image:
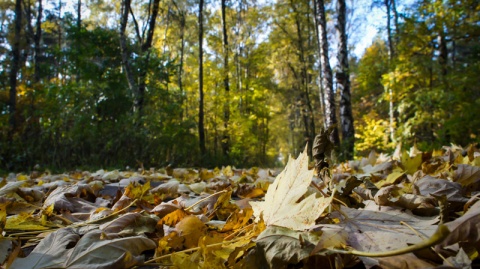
(464, 230)
(191, 228)
(374, 230)
(237, 219)
(55, 251)
(69, 198)
(468, 176)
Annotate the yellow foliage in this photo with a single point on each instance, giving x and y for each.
(372, 135)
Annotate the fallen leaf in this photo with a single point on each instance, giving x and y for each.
(411, 162)
(281, 246)
(283, 205)
(333, 236)
(468, 176)
(68, 197)
(54, 251)
(429, 185)
(465, 230)
(130, 223)
(5, 249)
(237, 219)
(184, 261)
(405, 261)
(461, 260)
(27, 222)
(191, 228)
(371, 230)
(10, 187)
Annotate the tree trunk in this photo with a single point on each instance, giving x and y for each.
(389, 29)
(182, 53)
(123, 46)
(139, 101)
(343, 79)
(60, 41)
(226, 84)
(15, 67)
(391, 53)
(137, 90)
(309, 124)
(37, 38)
(79, 26)
(320, 75)
(201, 127)
(395, 19)
(330, 113)
(79, 14)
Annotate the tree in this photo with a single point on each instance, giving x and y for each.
(391, 6)
(37, 39)
(226, 82)
(327, 77)
(343, 80)
(15, 66)
(201, 116)
(138, 89)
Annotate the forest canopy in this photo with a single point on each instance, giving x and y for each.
(183, 82)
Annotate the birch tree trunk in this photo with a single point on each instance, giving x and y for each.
(391, 54)
(329, 98)
(343, 79)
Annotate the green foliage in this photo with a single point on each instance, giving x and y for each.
(433, 77)
(75, 108)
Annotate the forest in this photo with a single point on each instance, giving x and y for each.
(151, 134)
(102, 83)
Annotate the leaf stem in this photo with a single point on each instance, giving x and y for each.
(197, 248)
(203, 199)
(106, 217)
(441, 233)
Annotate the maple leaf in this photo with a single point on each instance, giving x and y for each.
(283, 205)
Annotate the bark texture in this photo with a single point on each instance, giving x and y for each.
(343, 79)
(327, 77)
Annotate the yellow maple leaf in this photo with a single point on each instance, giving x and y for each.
(283, 206)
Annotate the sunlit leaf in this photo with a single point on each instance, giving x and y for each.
(282, 206)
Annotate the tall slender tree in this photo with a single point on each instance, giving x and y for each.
(343, 79)
(390, 6)
(132, 84)
(327, 77)
(15, 66)
(201, 116)
(226, 82)
(304, 78)
(37, 38)
(138, 85)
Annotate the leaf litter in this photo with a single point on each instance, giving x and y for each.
(410, 210)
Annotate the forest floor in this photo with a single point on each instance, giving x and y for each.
(409, 210)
